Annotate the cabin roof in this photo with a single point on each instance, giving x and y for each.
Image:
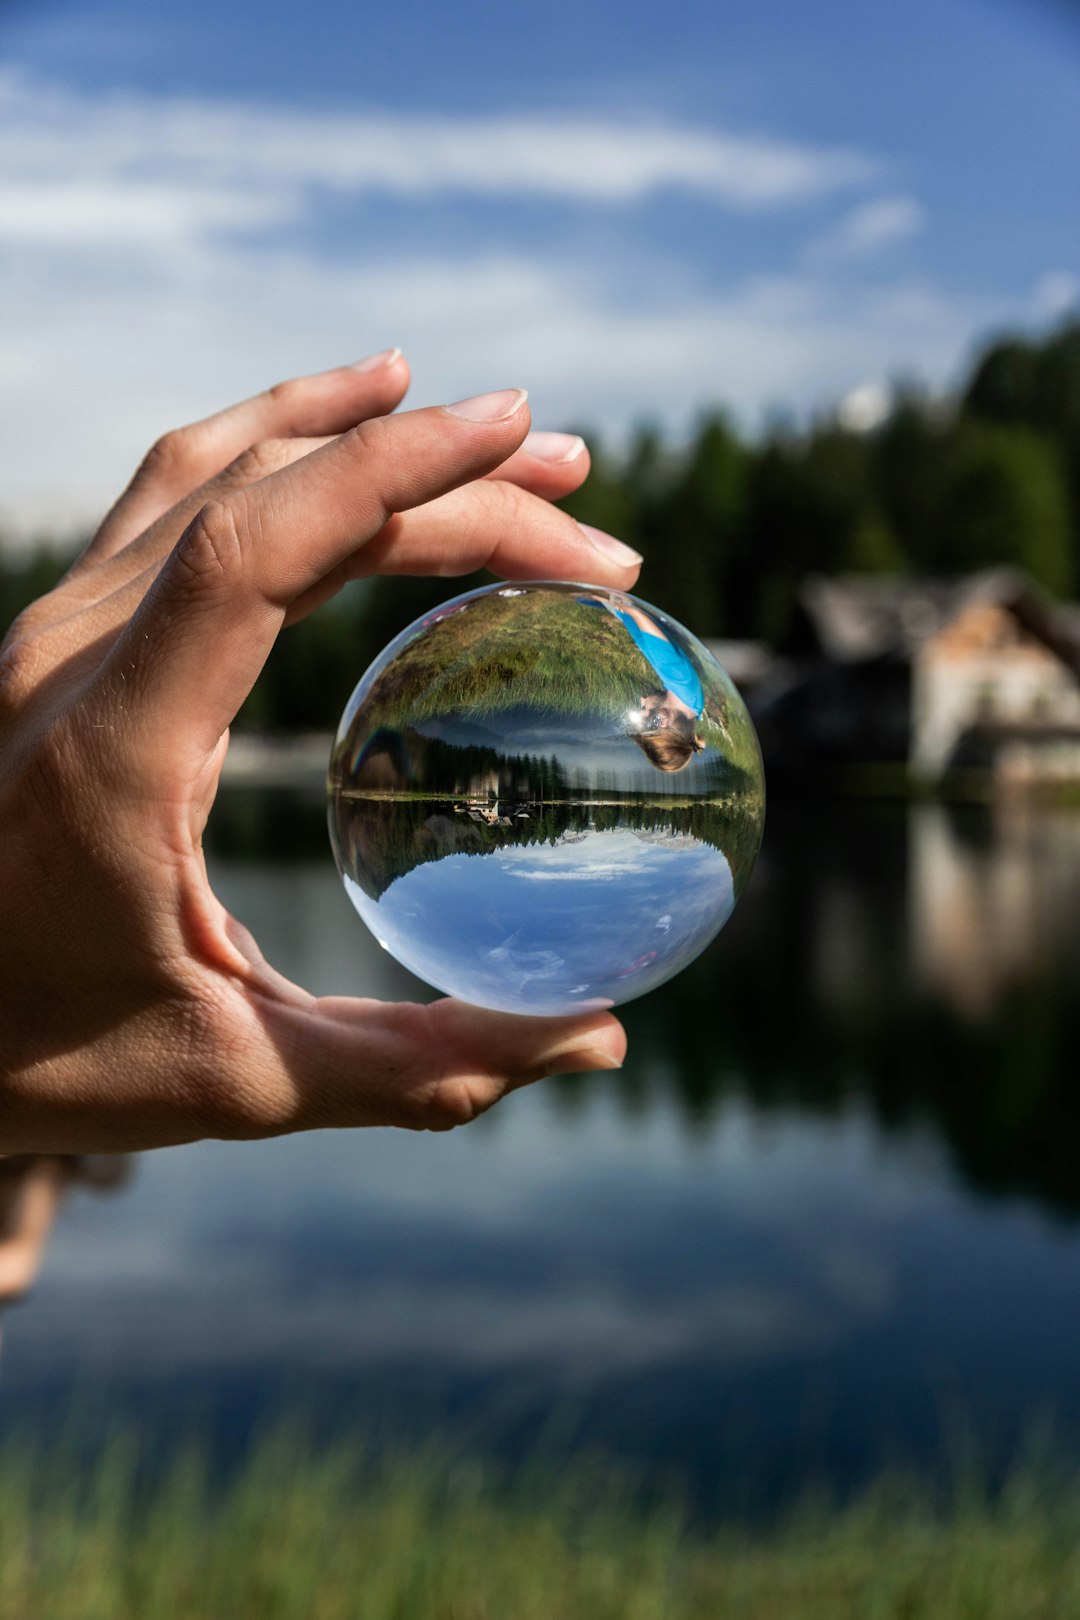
(864, 618)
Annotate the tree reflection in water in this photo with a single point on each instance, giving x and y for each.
(923, 961)
(785, 1294)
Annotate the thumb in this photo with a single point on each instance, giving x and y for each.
(341, 1062)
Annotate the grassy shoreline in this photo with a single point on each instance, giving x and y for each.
(339, 1534)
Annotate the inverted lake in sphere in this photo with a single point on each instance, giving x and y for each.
(584, 917)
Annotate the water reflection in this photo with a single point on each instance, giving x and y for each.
(828, 1206)
(993, 900)
(926, 962)
(923, 962)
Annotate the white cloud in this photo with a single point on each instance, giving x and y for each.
(137, 296)
(115, 215)
(1055, 293)
(219, 1318)
(111, 145)
(608, 857)
(869, 229)
(95, 369)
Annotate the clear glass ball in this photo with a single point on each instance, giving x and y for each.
(545, 798)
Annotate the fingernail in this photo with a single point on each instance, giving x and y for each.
(579, 1057)
(375, 362)
(557, 447)
(612, 549)
(495, 407)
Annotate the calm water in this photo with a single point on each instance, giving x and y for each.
(825, 1217)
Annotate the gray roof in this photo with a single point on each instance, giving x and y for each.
(861, 617)
(745, 661)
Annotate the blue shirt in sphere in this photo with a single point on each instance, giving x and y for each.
(673, 668)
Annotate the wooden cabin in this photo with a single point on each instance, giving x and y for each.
(978, 673)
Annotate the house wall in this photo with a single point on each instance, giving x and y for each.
(986, 670)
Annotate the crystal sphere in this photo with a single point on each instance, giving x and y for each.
(545, 798)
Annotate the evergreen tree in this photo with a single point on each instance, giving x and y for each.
(729, 529)
(1005, 501)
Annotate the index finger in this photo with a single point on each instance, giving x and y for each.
(189, 656)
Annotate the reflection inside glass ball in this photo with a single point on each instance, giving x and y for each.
(545, 798)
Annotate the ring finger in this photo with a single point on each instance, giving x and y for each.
(546, 467)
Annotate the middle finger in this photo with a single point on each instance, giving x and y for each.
(550, 465)
(437, 538)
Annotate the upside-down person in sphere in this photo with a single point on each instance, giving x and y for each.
(665, 726)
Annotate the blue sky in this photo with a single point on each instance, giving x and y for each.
(635, 211)
(592, 921)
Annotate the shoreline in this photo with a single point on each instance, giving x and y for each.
(299, 761)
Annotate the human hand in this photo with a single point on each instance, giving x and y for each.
(137, 1012)
(32, 1189)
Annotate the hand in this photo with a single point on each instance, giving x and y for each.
(31, 1191)
(136, 1011)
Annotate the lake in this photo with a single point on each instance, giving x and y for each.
(825, 1219)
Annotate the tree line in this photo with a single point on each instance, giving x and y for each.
(728, 526)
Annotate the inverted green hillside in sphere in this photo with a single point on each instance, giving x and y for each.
(545, 798)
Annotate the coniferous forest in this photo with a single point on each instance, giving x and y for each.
(728, 526)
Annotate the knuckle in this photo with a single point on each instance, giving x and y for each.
(167, 458)
(489, 513)
(370, 438)
(504, 497)
(500, 509)
(372, 450)
(437, 1088)
(210, 551)
(20, 664)
(285, 396)
(451, 1101)
(258, 461)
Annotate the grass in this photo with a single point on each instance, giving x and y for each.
(541, 651)
(338, 1535)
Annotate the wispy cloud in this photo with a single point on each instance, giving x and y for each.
(870, 228)
(609, 857)
(180, 340)
(118, 213)
(164, 256)
(56, 144)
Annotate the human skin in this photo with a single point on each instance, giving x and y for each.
(662, 708)
(136, 1011)
(30, 1197)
